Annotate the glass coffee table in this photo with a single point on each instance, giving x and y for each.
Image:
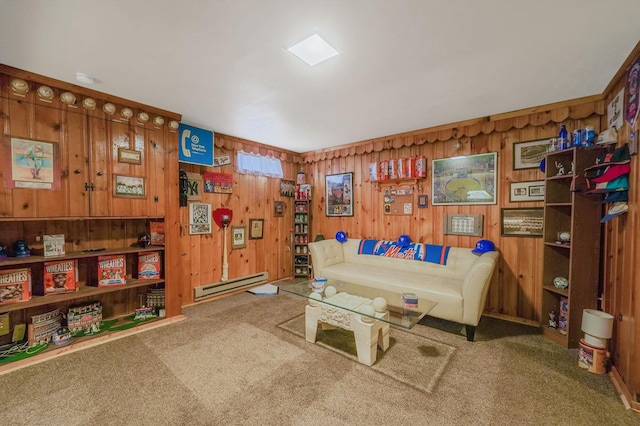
(366, 311)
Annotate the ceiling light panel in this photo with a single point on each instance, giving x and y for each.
(313, 50)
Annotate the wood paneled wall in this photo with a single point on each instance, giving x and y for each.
(515, 290)
(621, 260)
(252, 198)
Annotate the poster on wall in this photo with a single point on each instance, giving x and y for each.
(199, 218)
(464, 180)
(33, 164)
(339, 194)
(194, 186)
(632, 93)
(219, 183)
(196, 145)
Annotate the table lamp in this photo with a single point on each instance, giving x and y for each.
(597, 327)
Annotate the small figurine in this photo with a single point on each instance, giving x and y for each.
(560, 168)
(552, 320)
(571, 170)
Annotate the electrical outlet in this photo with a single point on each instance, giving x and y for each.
(5, 326)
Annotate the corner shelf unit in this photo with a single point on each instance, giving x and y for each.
(574, 211)
(301, 236)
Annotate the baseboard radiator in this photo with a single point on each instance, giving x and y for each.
(215, 289)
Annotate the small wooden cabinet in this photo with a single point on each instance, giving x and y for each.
(571, 245)
(301, 233)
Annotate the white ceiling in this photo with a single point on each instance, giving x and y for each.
(404, 64)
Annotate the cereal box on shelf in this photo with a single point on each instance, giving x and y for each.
(60, 276)
(374, 173)
(149, 265)
(15, 285)
(384, 170)
(156, 233)
(421, 167)
(112, 270)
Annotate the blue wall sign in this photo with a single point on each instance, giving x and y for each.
(196, 145)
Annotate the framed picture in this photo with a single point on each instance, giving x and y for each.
(528, 155)
(287, 188)
(465, 180)
(32, 164)
(199, 218)
(256, 227)
(238, 237)
(463, 224)
(278, 208)
(339, 194)
(130, 156)
(526, 191)
(522, 222)
(129, 186)
(423, 201)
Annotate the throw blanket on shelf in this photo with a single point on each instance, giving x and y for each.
(414, 251)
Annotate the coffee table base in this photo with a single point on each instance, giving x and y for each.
(368, 332)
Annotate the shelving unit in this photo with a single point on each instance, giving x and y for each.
(301, 233)
(570, 210)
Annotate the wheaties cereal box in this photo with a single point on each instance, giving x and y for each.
(149, 265)
(60, 276)
(15, 285)
(156, 233)
(112, 270)
(421, 167)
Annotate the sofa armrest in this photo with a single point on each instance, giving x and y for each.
(476, 287)
(325, 253)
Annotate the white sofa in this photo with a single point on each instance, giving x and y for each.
(460, 287)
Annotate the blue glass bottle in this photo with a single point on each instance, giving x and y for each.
(563, 141)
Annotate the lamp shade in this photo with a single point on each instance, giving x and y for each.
(597, 326)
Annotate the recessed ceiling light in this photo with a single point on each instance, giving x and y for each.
(84, 78)
(313, 50)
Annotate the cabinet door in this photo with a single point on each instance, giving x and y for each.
(53, 191)
(156, 176)
(98, 176)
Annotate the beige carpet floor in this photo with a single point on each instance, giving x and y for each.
(412, 359)
(229, 363)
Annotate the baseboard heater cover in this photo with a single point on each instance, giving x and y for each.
(215, 289)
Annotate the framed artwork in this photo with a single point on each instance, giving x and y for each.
(287, 188)
(278, 208)
(32, 164)
(199, 218)
(463, 224)
(526, 191)
(423, 201)
(130, 156)
(465, 180)
(256, 227)
(522, 222)
(528, 155)
(238, 237)
(339, 194)
(129, 186)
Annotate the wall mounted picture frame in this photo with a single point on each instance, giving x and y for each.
(522, 222)
(287, 188)
(130, 156)
(33, 164)
(465, 180)
(463, 224)
(278, 208)
(200, 218)
(129, 186)
(238, 237)
(256, 229)
(339, 194)
(528, 155)
(423, 201)
(526, 191)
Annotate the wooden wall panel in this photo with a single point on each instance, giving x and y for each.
(515, 290)
(621, 260)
